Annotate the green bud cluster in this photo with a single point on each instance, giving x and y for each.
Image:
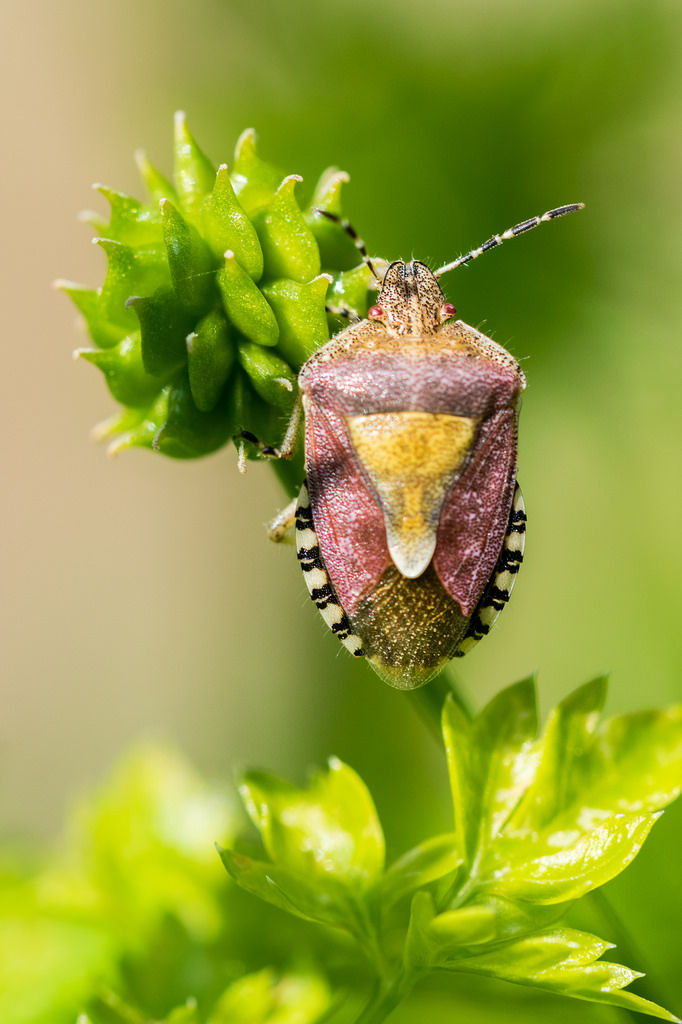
(214, 297)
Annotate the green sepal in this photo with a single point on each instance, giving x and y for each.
(300, 313)
(336, 246)
(426, 863)
(157, 185)
(188, 433)
(267, 997)
(193, 172)
(328, 831)
(272, 378)
(245, 304)
(164, 324)
(189, 260)
(129, 272)
(124, 371)
(226, 226)
(289, 246)
(87, 301)
(352, 290)
(210, 356)
(130, 222)
(255, 180)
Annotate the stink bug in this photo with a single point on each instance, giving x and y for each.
(410, 525)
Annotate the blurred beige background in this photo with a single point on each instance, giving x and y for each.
(141, 596)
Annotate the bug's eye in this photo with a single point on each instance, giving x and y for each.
(447, 311)
(376, 312)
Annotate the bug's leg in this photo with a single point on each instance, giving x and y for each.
(357, 241)
(518, 229)
(345, 311)
(285, 450)
(283, 522)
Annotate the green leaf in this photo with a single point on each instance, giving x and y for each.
(564, 767)
(245, 304)
(579, 866)
(289, 246)
(563, 961)
(226, 226)
(423, 864)
(330, 829)
(300, 313)
(267, 998)
(313, 898)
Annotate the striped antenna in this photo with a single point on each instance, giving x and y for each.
(518, 229)
(357, 241)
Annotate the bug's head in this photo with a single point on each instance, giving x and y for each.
(410, 301)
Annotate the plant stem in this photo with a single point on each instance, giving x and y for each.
(429, 700)
(387, 995)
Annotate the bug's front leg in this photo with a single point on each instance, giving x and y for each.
(283, 522)
(285, 450)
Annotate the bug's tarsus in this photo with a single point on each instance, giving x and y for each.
(283, 522)
(518, 229)
(285, 450)
(353, 235)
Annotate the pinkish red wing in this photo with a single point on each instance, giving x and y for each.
(475, 513)
(348, 522)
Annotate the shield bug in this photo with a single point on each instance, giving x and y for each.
(410, 524)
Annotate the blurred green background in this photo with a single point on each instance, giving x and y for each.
(141, 596)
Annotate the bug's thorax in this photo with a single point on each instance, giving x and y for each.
(411, 300)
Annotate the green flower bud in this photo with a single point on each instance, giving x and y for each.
(245, 304)
(183, 332)
(300, 313)
(189, 260)
(336, 246)
(272, 378)
(187, 432)
(255, 181)
(289, 246)
(124, 371)
(226, 226)
(164, 324)
(193, 172)
(210, 355)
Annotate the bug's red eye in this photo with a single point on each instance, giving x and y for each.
(448, 310)
(375, 312)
